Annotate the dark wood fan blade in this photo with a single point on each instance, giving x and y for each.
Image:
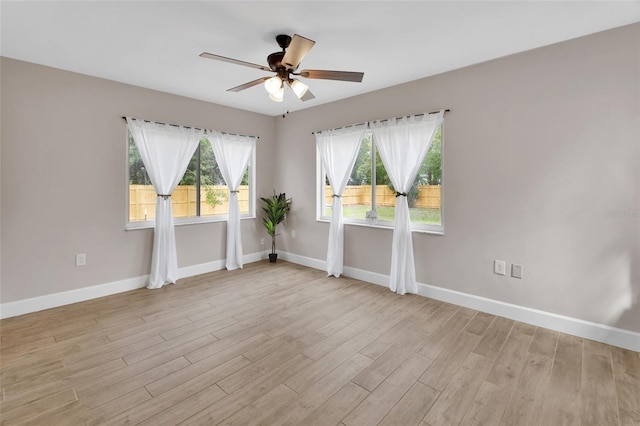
(233, 61)
(307, 96)
(356, 77)
(296, 51)
(249, 84)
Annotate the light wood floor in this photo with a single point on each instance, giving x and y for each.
(284, 344)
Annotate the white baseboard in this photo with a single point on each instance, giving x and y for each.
(589, 330)
(599, 332)
(40, 303)
(201, 268)
(216, 265)
(35, 304)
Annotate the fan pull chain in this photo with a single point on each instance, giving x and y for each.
(284, 100)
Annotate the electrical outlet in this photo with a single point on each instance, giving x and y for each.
(499, 267)
(262, 241)
(516, 271)
(81, 259)
(293, 233)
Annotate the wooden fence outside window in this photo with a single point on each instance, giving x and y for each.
(142, 201)
(428, 196)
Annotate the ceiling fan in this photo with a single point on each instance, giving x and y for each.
(285, 64)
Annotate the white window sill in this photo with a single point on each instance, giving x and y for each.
(387, 225)
(150, 224)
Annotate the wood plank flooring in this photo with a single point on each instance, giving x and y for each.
(281, 344)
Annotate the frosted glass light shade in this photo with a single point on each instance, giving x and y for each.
(299, 88)
(273, 85)
(277, 96)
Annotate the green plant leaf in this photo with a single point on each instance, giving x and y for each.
(275, 212)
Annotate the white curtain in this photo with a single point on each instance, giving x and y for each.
(338, 150)
(403, 144)
(165, 150)
(233, 153)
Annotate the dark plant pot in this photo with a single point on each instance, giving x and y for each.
(273, 257)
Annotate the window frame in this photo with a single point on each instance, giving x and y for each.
(193, 220)
(375, 223)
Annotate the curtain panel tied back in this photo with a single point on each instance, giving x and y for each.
(402, 144)
(165, 151)
(338, 150)
(232, 153)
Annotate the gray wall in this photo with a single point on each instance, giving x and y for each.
(538, 147)
(64, 179)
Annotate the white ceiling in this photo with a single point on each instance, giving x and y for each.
(155, 44)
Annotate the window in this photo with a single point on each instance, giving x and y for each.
(201, 195)
(369, 197)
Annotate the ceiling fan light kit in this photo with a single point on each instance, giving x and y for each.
(273, 85)
(277, 96)
(284, 64)
(298, 87)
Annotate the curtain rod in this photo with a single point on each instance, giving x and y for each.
(386, 119)
(188, 127)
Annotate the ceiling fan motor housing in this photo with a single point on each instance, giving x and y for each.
(275, 61)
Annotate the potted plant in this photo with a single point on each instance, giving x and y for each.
(275, 210)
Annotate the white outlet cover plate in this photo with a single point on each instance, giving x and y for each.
(516, 271)
(81, 259)
(500, 267)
